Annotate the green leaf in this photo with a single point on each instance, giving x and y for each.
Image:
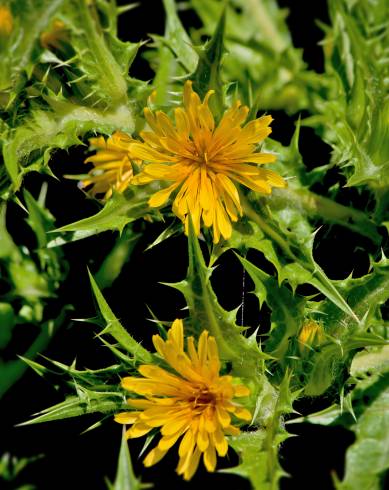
(368, 457)
(207, 75)
(74, 406)
(118, 211)
(207, 314)
(262, 61)
(7, 322)
(116, 330)
(125, 477)
(115, 260)
(59, 127)
(355, 101)
(290, 230)
(106, 77)
(258, 451)
(365, 295)
(287, 310)
(31, 17)
(177, 39)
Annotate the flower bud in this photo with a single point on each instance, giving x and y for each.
(311, 335)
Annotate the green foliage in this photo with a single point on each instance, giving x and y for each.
(118, 211)
(258, 449)
(206, 313)
(19, 54)
(116, 330)
(352, 115)
(11, 471)
(125, 477)
(270, 71)
(65, 76)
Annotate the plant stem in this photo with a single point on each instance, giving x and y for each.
(266, 228)
(316, 205)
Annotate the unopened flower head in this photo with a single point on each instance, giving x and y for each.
(310, 335)
(191, 401)
(204, 160)
(112, 165)
(55, 36)
(6, 21)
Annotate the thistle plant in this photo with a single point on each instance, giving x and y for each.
(188, 157)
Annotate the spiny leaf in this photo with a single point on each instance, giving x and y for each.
(59, 127)
(32, 17)
(287, 310)
(118, 211)
(207, 314)
(177, 39)
(117, 331)
(125, 477)
(368, 457)
(207, 75)
(258, 451)
(74, 406)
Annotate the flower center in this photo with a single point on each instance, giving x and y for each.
(203, 398)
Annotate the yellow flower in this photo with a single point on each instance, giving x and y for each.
(6, 21)
(112, 165)
(55, 36)
(192, 402)
(311, 334)
(202, 160)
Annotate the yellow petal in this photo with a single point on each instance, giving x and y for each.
(223, 416)
(176, 333)
(167, 442)
(209, 458)
(241, 390)
(127, 417)
(138, 430)
(193, 463)
(154, 456)
(243, 413)
(220, 443)
(202, 440)
(160, 197)
(187, 444)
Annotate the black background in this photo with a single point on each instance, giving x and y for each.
(72, 460)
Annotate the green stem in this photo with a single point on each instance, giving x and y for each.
(266, 228)
(320, 206)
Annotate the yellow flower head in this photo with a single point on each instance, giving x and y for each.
(202, 160)
(192, 402)
(6, 21)
(55, 36)
(112, 166)
(311, 334)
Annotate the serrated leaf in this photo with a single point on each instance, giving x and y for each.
(125, 477)
(258, 451)
(287, 309)
(60, 127)
(262, 60)
(31, 18)
(207, 314)
(118, 211)
(207, 75)
(368, 457)
(177, 38)
(74, 406)
(116, 330)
